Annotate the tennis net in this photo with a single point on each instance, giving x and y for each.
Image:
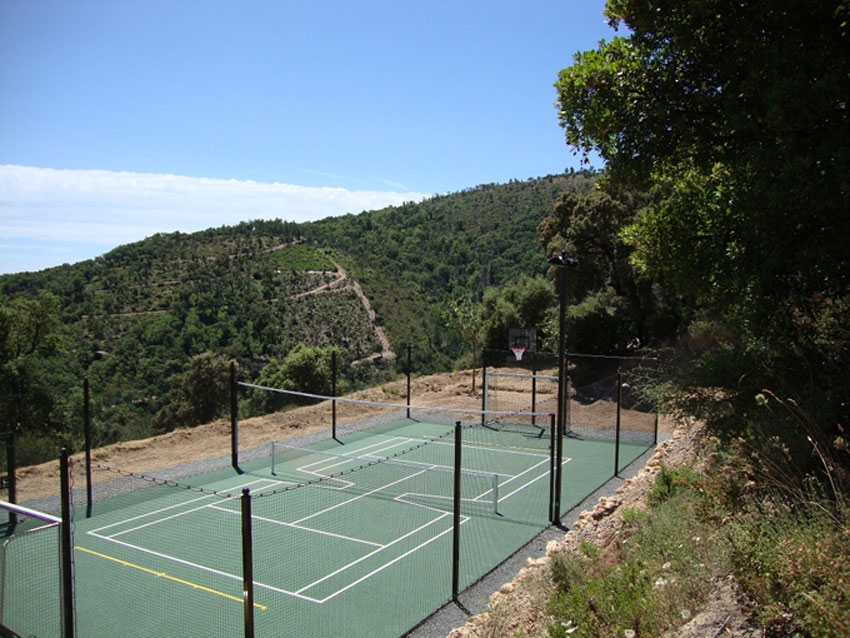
(307, 466)
(349, 416)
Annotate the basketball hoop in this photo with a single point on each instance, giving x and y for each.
(518, 352)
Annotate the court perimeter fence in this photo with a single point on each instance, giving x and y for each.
(241, 543)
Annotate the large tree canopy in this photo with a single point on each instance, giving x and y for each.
(734, 117)
(736, 112)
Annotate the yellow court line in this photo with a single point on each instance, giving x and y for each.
(166, 576)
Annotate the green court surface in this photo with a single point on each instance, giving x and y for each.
(364, 549)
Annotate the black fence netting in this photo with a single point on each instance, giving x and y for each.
(363, 527)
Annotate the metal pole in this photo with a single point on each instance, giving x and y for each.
(655, 429)
(552, 474)
(559, 455)
(234, 420)
(247, 564)
(485, 390)
(333, 394)
(10, 474)
(456, 518)
(533, 397)
(617, 436)
(87, 433)
(67, 557)
(562, 262)
(409, 348)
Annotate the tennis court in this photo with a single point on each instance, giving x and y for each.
(352, 538)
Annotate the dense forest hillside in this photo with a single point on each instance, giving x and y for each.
(412, 259)
(151, 315)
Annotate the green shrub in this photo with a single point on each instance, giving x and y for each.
(651, 579)
(795, 562)
(671, 482)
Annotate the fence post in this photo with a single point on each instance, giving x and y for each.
(234, 420)
(655, 429)
(87, 434)
(10, 474)
(559, 466)
(484, 391)
(247, 564)
(552, 425)
(333, 395)
(409, 348)
(66, 549)
(617, 435)
(456, 517)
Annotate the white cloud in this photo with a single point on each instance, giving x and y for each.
(79, 214)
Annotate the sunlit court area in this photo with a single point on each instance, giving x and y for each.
(364, 529)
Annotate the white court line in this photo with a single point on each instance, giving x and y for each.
(481, 447)
(301, 527)
(171, 507)
(299, 593)
(336, 461)
(174, 559)
(480, 497)
(357, 498)
(392, 562)
(328, 463)
(534, 480)
(372, 553)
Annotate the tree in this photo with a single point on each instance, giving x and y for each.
(305, 369)
(199, 393)
(735, 115)
(464, 316)
(590, 228)
(32, 345)
(521, 303)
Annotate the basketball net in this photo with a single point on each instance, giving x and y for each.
(518, 352)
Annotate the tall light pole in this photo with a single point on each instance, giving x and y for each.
(562, 262)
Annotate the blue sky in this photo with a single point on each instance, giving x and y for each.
(119, 119)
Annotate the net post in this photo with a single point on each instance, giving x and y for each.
(271, 454)
(87, 435)
(496, 494)
(617, 431)
(247, 564)
(409, 348)
(66, 548)
(10, 473)
(456, 515)
(234, 420)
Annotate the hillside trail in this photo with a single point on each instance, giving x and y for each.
(339, 283)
